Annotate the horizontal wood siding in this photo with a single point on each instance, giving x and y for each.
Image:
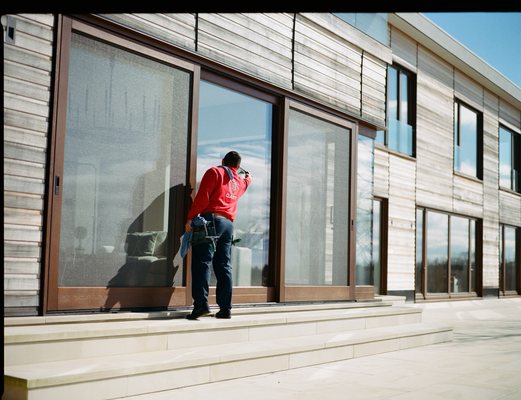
(402, 217)
(257, 44)
(509, 116)
(381, 173)
(509, 208)
(177, 29)
(468, 91)
(404, 49)
(27, 80)
(374, 72)
(467, 196)
(490, 190)
(327, 67)
(434, 137)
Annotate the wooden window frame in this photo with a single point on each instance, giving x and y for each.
(411, 106)
(515, 167)
(312, 292)
(477, 277)
(479, 138)
(502, 269)
(54, 297)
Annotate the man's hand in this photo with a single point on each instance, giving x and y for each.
(188, 226)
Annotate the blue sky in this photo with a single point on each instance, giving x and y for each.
(493, 36)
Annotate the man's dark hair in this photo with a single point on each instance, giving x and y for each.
(232, 159)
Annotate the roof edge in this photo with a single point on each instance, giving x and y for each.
(434, 38)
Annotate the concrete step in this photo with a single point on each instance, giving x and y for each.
(136, 374)
(77, 338)
(115, 356)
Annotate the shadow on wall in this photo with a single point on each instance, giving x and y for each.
(152, 260)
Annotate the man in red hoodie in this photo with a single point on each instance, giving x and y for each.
(216, 202)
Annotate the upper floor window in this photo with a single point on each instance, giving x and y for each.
(509, 159)
(401, 111)
(467, 140)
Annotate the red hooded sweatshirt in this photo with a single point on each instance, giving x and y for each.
(218, 193)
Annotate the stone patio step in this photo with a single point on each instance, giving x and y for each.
(136, 374)
(115, 356)
(78, 338)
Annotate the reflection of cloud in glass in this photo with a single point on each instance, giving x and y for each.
(317, 197)
(229, 120)
(468, 167)
(459, 239)
(437, 236)
(467, 118)
(393, 104)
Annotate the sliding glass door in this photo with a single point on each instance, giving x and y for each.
(120, 177)
(318, 222)
(236, 117)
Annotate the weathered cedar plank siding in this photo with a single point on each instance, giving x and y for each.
(381, 172)
(176, 29)
(490, 190)
(327, 66)
(401, 229)
(374, 76)
(338, 65)
(27, 81)
(434, 144)
(257, 44)
(404, 49)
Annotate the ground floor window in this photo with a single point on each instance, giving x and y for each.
(368, 220)
(317, 214)
(231, 120)
(445, 254)
(369, 246)
(509, 266)
(124, 164)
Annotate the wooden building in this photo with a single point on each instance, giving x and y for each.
(384, 161)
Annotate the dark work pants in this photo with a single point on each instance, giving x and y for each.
(218, 257)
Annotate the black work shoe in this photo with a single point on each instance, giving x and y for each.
(198, 312)
(225, 314)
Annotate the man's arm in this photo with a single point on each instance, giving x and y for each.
(202, 198)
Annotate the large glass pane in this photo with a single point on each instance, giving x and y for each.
(510, 258)
(392, 93)
(124, 168)
(505, 158)
(317, 211)
(419, 250)
(466, 148)
(365, 218)
(373, 24)
(400, 131)
(459, 257)
(229, 120)
(400, 136)
(473, 270)
(437, 252)
(404, 97)
(376, 246)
